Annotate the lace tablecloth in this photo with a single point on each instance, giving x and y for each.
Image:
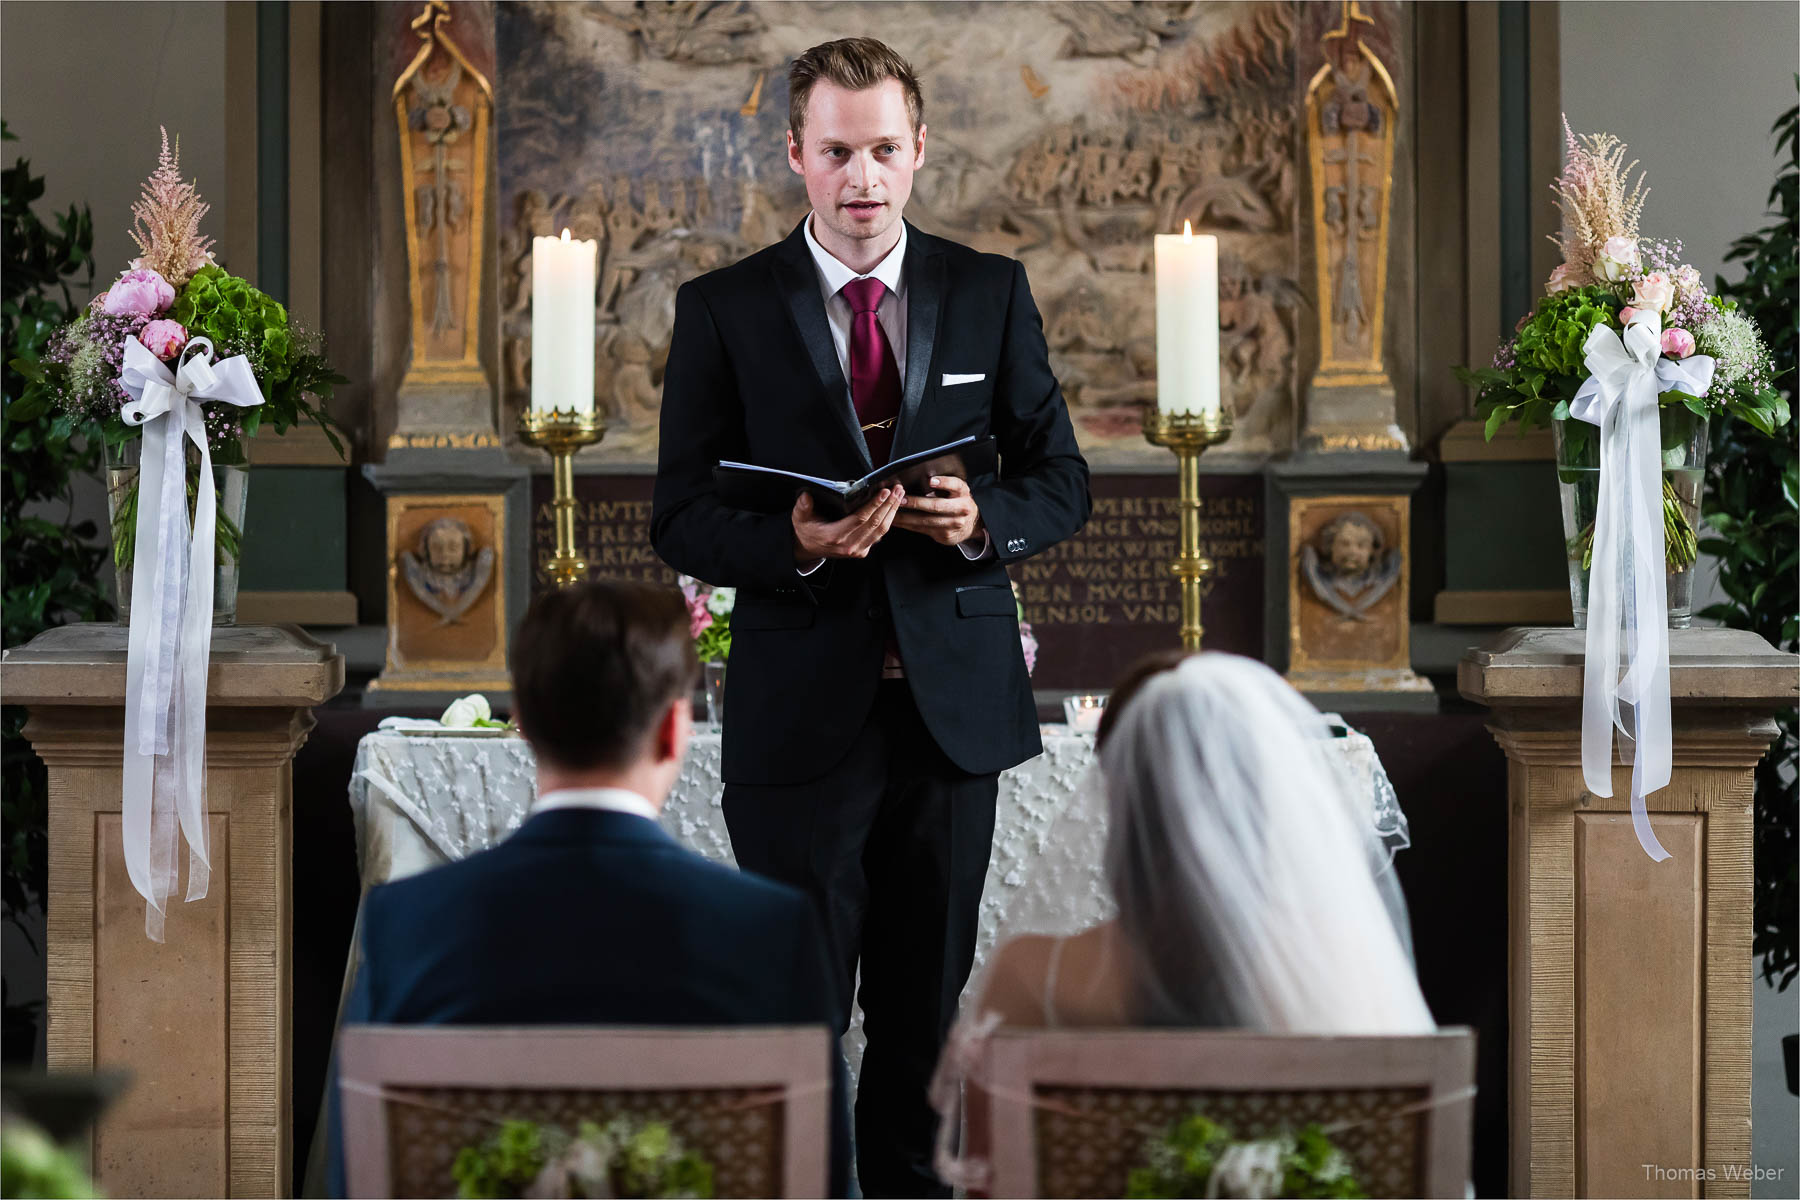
(425, 800)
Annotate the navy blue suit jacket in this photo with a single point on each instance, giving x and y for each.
(585, 917)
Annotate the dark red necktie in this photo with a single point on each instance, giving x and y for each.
(874, 376)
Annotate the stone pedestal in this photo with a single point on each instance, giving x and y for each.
(1631, 980)
(1342, 630)
(202, 1022)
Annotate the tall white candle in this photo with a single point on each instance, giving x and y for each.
(562, 323)
(1187, 322)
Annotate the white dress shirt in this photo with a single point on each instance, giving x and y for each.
(618, 800)
(890, 315)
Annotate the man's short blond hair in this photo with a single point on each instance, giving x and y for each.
(855, 64)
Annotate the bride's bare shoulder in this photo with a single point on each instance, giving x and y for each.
(1021, 971)
(1015, 980)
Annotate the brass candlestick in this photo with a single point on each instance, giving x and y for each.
(1187, 434)
(562, 432)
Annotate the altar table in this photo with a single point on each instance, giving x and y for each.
(421, 801)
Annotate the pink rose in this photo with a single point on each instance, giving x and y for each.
(1561, 280)
(1687, 279)
(1655, 291)
(1677, 343)
(699, 620)
(164, 338)
(1627, 315)
(141, 292)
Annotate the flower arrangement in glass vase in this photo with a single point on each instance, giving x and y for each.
(177, 326)
(1558, 368)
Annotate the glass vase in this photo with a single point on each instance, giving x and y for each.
(1684, 443)
(715, 692)
(231, 476)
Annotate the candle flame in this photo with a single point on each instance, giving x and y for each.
(1187, 231)
(565, 236)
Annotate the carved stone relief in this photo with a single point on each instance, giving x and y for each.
(443, 106)
(1349, 566)
(657, 129)
(446, 571)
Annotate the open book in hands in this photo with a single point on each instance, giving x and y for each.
(771, 490)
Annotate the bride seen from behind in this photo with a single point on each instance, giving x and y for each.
(1250, 886)
(1251, 889)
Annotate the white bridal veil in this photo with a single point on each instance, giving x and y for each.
(1251, 884)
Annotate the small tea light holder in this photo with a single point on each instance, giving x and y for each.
(1083, 713)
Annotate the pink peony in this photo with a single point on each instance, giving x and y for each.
(1561, 280)
(1677, 343)
(141, 292)
(164, 338)
(1655, 291)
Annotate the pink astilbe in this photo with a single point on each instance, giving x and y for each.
(1596, 199)
(166, 221)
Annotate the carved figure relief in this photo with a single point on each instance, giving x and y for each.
(1351, 108)
(1348, 566)
(443, 107)
(706, 32)
(1067, 144)
(445, 571)
(1120, 28)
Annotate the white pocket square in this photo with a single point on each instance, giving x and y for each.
(953, 380)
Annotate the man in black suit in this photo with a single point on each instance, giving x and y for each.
(877, 686)
(590, 914)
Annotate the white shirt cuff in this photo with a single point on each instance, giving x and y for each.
(974, 555)
(810, 568)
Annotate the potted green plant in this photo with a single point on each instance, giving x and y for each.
(1752, 488)
(52, 564)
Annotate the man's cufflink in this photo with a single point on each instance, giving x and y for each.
(1015, 545)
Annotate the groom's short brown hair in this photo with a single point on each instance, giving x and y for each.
(854, 64)
(593, 668)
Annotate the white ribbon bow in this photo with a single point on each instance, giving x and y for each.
(171, 618)
(1627, 596)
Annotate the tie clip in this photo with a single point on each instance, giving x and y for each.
(887, 424)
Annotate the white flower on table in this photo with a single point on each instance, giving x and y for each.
(721, 602)
(464, 713)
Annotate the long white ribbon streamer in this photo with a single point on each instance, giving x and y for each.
(170, 638)
(1627, 586)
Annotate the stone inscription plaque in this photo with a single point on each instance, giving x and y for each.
(1095, 602)
(1105, 596)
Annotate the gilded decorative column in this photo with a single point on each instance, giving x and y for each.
(1352, 111)
(457, 552)
(443, 110)
(1340, 566)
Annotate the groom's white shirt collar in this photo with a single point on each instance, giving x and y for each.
(833, 275)
(605, 799)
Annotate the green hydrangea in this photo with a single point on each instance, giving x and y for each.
(1552, 340)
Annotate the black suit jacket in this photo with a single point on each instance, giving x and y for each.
(753, 376)
(585, 917)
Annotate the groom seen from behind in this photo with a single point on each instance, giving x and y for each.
(877, 686)
(590, 914)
